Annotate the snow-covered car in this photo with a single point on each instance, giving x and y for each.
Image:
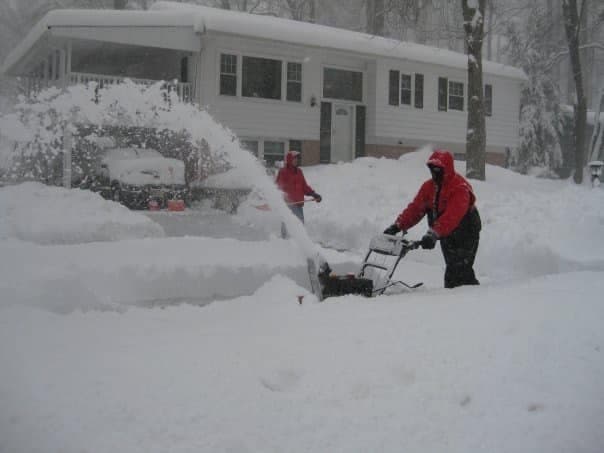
(134, 176)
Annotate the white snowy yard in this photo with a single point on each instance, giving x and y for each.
(129, 332)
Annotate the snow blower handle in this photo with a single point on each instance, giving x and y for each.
(412, 245)
(295, 203)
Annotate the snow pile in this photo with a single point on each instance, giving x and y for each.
(53, 215)
(514, 368)
(52, 111)
(149, 272)
(531, 226)
(513, 365)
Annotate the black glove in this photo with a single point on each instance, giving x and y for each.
(429, 240)
(316, 196)
(392, 229)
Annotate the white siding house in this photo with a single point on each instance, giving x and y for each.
(279, 84)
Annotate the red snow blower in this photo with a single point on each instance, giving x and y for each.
(375, 274)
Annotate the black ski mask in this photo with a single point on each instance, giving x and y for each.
(437, 173)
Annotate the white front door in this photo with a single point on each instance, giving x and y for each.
(342, 145)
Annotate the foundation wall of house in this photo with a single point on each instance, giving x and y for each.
(310, 153)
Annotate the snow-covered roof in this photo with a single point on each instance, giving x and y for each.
(304, 33)
(96, 18)
(205, 19)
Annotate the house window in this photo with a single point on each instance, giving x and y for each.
(261, 78)
(488, 100)
(294, 82)
(295, 145)
(251, 146)
(393, 88)
(405, 89)
(419, 91)
(401, 89)
(455, 95)
(442, 93)
(342, 84)
(273, 152)
(228, 74)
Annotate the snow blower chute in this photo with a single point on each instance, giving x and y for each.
(375, 274)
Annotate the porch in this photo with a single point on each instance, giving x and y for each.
(109, 64)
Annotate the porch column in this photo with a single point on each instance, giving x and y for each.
(54, 69)
(67, 146)
(45, 70)
(63, 69)
(68, 63)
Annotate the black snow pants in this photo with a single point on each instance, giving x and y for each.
(459, 250)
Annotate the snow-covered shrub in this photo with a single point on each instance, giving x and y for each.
(117, 115)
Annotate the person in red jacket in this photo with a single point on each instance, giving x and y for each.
(291, 181)
(448, 200)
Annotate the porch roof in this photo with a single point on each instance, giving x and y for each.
(139, 28)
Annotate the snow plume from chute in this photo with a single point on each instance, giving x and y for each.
(52, 112)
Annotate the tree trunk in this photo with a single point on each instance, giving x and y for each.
(375, 17)
(490, 31)
(312, 11)
(476, 130)
(119, 4)
(573, 28)
(225, 4)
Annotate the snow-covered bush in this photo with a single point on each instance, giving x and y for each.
(118, 115)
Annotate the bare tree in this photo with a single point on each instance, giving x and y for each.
(119, 4)
(301, 10)
(572, 25)
(375, 15)
(476, 133)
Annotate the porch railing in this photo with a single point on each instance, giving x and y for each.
(183, 90)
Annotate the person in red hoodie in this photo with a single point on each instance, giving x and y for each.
(448, 200)
(291, 181)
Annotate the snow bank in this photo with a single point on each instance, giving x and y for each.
(531, 226)
(148, 272)
(37, 213)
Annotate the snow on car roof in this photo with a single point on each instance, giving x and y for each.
(130, 153)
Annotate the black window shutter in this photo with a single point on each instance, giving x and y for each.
(443, 86)
(325, 133)
(488, 100)
(184, 69)
(360, 131)
(419, 91)
(393, 88)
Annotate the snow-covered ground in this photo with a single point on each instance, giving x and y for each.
(140, 332)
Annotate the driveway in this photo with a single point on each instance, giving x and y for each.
(205, 222)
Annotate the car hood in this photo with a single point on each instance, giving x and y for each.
(147, 171)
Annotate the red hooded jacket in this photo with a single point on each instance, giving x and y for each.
(456, 198)
(291, 181)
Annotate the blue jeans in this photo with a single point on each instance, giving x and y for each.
(298, 211)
